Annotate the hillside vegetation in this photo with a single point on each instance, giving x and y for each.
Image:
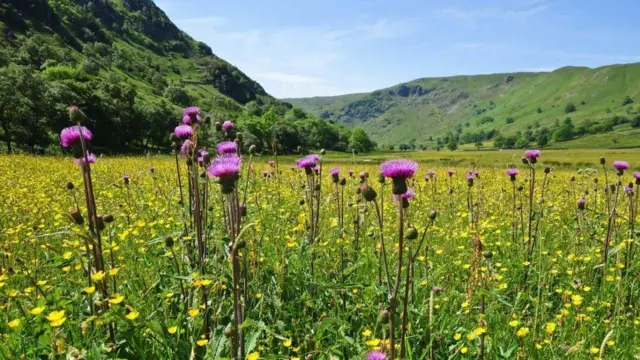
(131, 70)
(508, 110)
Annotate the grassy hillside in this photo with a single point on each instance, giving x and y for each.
(131, 70)
(428, 108)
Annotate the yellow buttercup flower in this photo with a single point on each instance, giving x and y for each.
(14, 323)
(37, 310)
(116, 299)
(56, 318)
(522, 332)
(89, 290)
(287, 343)
(97, 276)
(172, 330)
(253, 356)
(132, 315)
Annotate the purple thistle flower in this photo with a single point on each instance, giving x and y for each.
(620, 165)
(451, 172)
(191, 111)
(227, 126)
(271, 163)
(532, 154)
(399, 168)
(512, 173)
(186, 145)
(436, 289)
(152, 169)
(91, 158)
(225, 167)
(629, 189)
(637, 175)
(191, 115)
(183, 132)
(293, 168)
(308, 162)
(350, 172)
(470, 175)
(71, 135)
(334, 172)
(227, 148)
(430, 173)
(376, 355)
(265, 173)
(399, 171)
(362, 176)
(125, 178)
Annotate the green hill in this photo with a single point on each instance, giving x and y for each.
(522, 108)
(132, 71)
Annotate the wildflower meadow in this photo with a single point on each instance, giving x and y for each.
(215, 252)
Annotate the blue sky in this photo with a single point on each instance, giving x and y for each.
(302, 48)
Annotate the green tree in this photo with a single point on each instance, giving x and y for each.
(177, 95)
(452, 144)
(360, 141)
(569, 108)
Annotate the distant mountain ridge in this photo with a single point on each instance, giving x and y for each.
(511, 104)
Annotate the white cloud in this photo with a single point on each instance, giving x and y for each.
(498, 13)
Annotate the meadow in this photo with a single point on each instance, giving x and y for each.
(315, 259)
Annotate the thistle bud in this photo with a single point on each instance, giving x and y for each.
(433, 215)
(243, 209)
(77, 217)
(412, 233)
(70, 186)
(108, 218)
(343, 181)
(301, 202)
(520, 187)
(368, 193)
(547, 170)
(168, 242)
(252, 149)
(525, 161)
(323, 151)
(228, 332)
(239, 136)
(381, 178)
(207, 119)
(76, 115)
(582, 204)
(218, 126)
(487, 254)
(602, 160)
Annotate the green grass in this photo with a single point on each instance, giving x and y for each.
(557, 158)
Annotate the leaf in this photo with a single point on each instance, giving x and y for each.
(252, 339)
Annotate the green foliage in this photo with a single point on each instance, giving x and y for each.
(569, 108)
(359, 141)
(131, 71)
(627, 100)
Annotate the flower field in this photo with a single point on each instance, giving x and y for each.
(265, 258)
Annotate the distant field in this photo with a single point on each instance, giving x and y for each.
(574, 158)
